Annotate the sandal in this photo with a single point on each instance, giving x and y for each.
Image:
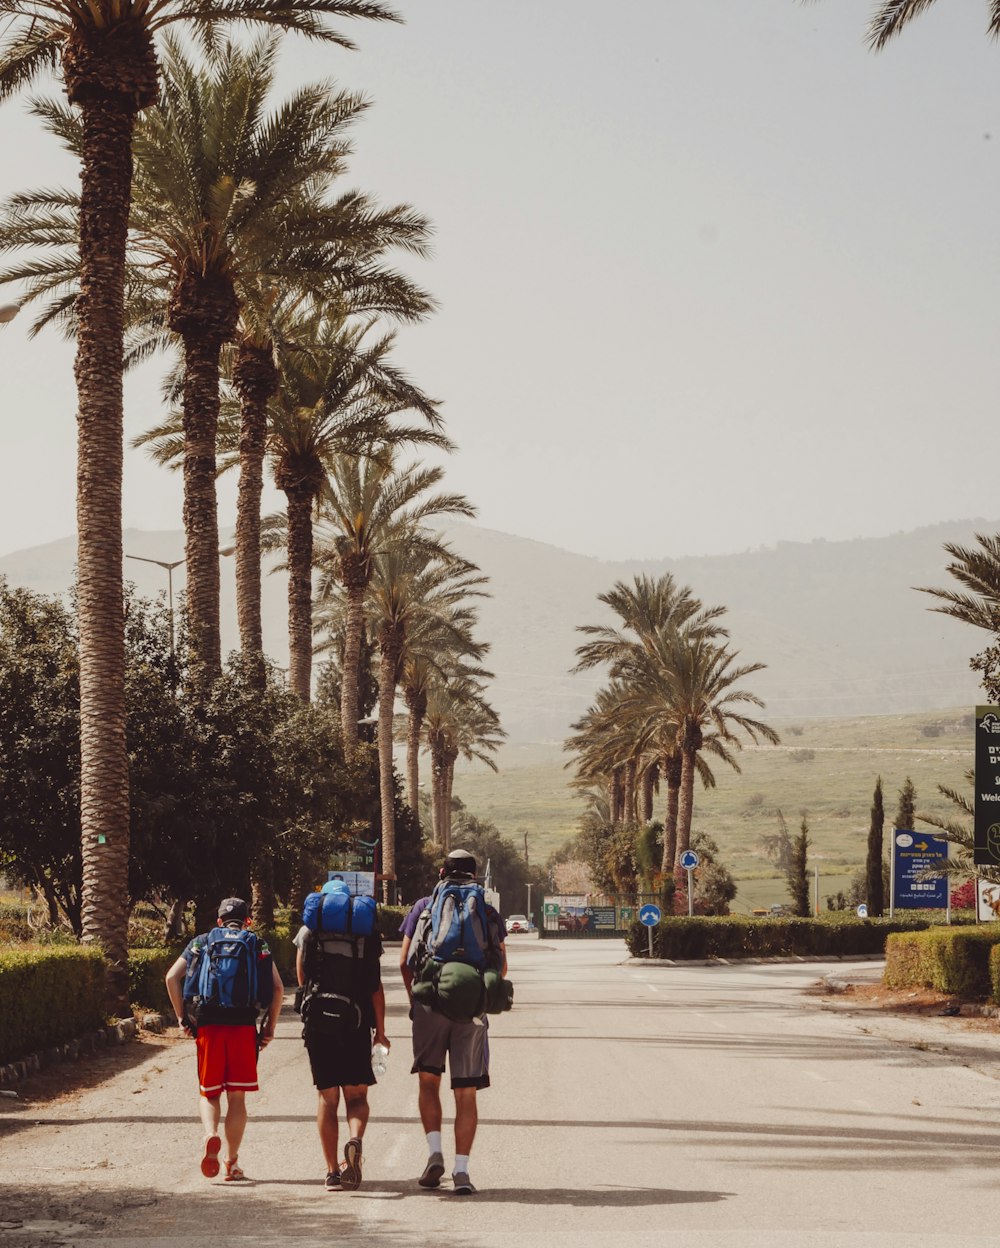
(210, 1161)
(234, 1174)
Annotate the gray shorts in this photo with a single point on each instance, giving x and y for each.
(466, 1046)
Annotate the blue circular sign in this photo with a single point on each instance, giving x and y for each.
(689, 860)
(649, 916)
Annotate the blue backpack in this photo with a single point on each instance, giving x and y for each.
(229, 979)
(458, 928)
(336, 911)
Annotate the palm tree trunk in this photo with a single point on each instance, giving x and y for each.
(256, 380)
(648, 781)
(628, 803)
(389, 646)
(300, 558)
(108, 122)
(262, 892)
(685, 806)
(355, 577)
(416, 704)
(449, 785)
(672, 775)
(437, 788)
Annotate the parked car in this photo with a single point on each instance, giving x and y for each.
(518, 923)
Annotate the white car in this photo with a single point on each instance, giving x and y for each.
(518, 923)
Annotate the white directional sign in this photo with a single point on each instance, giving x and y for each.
(650, 915)
(689, 860)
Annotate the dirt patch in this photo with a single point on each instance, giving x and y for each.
(876, 999)
(68, 1079)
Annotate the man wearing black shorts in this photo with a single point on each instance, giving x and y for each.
(340, 1055)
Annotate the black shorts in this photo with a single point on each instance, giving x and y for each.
(341, 1061)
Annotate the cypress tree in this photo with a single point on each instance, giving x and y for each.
(905, 812)
(798, 868)
(873, 864)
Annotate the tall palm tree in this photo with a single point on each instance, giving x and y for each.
(106, 52)
(414, 577)
(686, 684)
(369, 503)
(459, 723)
(645, 608)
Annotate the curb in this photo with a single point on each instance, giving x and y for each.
(794, 958)
(72, 1050)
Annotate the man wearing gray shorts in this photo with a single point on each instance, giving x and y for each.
(436, 1039)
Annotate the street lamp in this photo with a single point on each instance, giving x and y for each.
(8, 311)
(169, 565)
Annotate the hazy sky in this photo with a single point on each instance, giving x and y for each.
(712, 274)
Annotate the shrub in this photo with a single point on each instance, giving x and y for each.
(738, 936)
(390, 918)
(146, 971)
(954, 960)
(48, 996)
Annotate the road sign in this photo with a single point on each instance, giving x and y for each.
(689, 860)
(862, 911)
(649, 916)
(912, 854)
(986, 848)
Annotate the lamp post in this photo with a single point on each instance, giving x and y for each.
(169, 565)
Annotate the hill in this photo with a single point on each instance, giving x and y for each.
(838, 623)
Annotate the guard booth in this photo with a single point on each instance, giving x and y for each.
(592, 915)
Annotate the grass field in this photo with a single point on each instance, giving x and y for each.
(826, 768)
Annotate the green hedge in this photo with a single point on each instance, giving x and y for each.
(963, 961)
(147, 969)
(48, 996)
(390, 918)
(738, 936)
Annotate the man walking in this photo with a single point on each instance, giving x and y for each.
(436, 1038)
(343, 1011)
(217, 1002)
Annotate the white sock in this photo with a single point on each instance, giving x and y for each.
(434, 1142)
(461, 1164)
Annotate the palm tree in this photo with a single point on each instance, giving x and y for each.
(459, 723)
(892, 15)
(415, 577)
(684, 687)
(108, 60)
(369, 503)
(645, 608)
(979, 572)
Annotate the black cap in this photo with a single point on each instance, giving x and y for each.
(233, 910)
(460, 862)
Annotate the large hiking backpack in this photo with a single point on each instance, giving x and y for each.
(229, 979)
(458, 928)
(340, 925)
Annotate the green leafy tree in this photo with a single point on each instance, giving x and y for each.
(875, 857)
(906, 809)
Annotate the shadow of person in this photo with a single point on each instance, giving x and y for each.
(607, 1197)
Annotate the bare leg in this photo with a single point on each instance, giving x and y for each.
(429, 1101)
(326, 1120)
(466, 1120)
(356, 1106)
(236, 1122)
(211, 1112)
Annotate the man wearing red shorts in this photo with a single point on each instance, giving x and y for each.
(227, 1049)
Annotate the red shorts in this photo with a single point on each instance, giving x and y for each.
(227, 1059)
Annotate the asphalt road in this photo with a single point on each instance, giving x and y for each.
(631, 1105)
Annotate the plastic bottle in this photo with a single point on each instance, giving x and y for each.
(380, 1059)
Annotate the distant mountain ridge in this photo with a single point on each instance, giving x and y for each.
(837, 623)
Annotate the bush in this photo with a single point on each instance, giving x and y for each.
(147, 969)
(48, 996)
(737, 936)
(958, 961)
(390, 919)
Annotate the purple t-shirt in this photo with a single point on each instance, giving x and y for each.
(409, 924)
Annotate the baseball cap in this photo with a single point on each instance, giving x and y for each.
(233, 910)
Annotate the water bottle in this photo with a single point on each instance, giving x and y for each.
(380, 1059)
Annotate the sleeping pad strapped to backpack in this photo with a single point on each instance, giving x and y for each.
(229, 978)
(458, 955)
(337, 981)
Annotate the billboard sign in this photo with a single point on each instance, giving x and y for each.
(361, 883)
(987, 901)
(986, 850)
